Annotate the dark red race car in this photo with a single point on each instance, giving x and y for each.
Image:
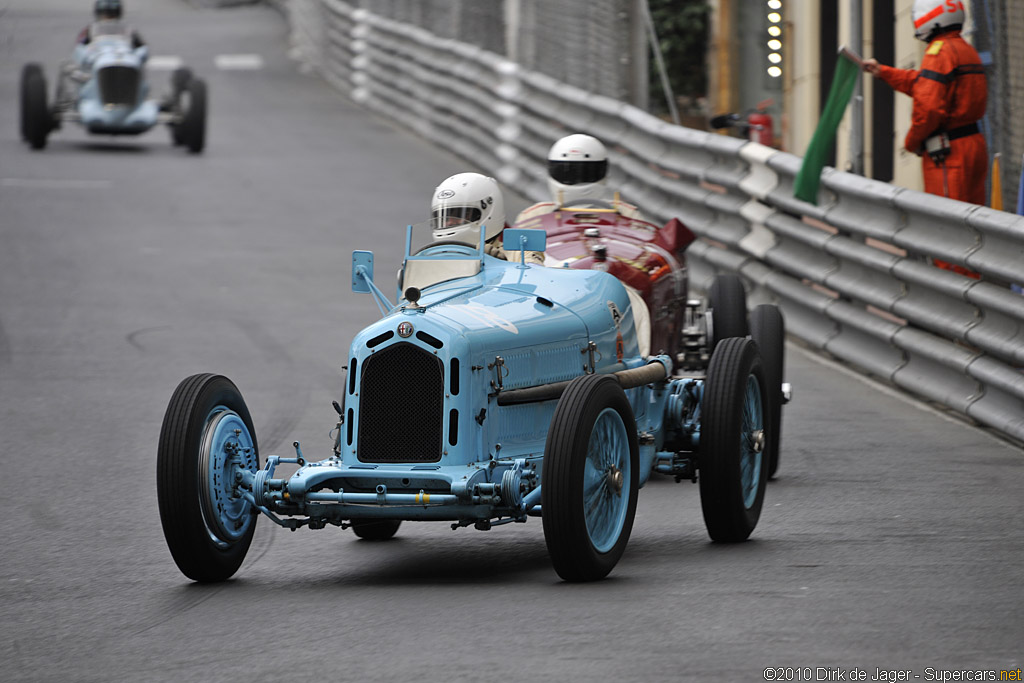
(651, 261)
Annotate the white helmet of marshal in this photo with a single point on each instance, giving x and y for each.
(464, 202)
(930, 16)
(577, 165)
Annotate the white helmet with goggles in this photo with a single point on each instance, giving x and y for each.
(463, 203)
(577, 166)
(936, 16)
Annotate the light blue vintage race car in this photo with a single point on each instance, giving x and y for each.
(104, 88)
(493, 392)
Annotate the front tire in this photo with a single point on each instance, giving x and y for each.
(208, 528)
(590, 475)
(768, 329)
(36, 119)
(733, 467)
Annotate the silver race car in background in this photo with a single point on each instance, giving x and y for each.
(104, 88)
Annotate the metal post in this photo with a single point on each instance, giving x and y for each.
(512, 27)
(639, 94)
(670, 97)
(856, 42)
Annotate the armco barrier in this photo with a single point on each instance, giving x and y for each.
(851, 273)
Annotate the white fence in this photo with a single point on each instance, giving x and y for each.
(851, 274)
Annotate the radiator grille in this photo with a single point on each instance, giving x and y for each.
(401, 399)
(119, 85)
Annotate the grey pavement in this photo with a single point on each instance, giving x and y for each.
(892, 537)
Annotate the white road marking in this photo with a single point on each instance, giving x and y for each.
(238, 62)
(164, 62)
(56, 184)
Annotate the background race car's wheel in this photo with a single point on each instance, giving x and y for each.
(733, 469)
(768, 330)
(180, 78)
(36, 119)
(192, 129)
(375, 529)
(207, 527)
(589, 490)
(727, 301)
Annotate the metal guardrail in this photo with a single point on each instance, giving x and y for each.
(851, 274)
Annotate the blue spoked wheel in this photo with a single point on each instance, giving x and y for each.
(207, 433)
(734, 431)
(589, 483)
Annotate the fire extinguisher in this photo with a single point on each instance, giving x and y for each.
(761, 128)
(757, 126)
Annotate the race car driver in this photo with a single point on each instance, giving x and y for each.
(107, 21)
(466, 201)
(577, 174)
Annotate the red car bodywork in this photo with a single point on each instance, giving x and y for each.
(648, 258)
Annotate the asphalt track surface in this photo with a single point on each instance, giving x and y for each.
(891, 539)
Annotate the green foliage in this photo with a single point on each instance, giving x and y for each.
(682, 28)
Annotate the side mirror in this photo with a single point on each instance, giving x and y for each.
(524, 239)
(362, 271)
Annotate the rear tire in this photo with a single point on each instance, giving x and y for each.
(375, 529)
(36, 119)
(727, 301)
(768, 329)
(733, 469)
(208, 528)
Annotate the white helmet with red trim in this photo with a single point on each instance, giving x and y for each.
(932, 16)
(464, 202)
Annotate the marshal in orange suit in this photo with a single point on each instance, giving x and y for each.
(950, 93)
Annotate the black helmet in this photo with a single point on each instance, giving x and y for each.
(107, 9)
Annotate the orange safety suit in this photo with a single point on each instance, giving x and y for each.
(950, 94)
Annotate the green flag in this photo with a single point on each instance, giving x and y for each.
(809, 177)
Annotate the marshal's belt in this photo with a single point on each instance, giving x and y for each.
(963, 131)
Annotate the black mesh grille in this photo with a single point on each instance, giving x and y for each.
(401, 398)
(119, 85)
